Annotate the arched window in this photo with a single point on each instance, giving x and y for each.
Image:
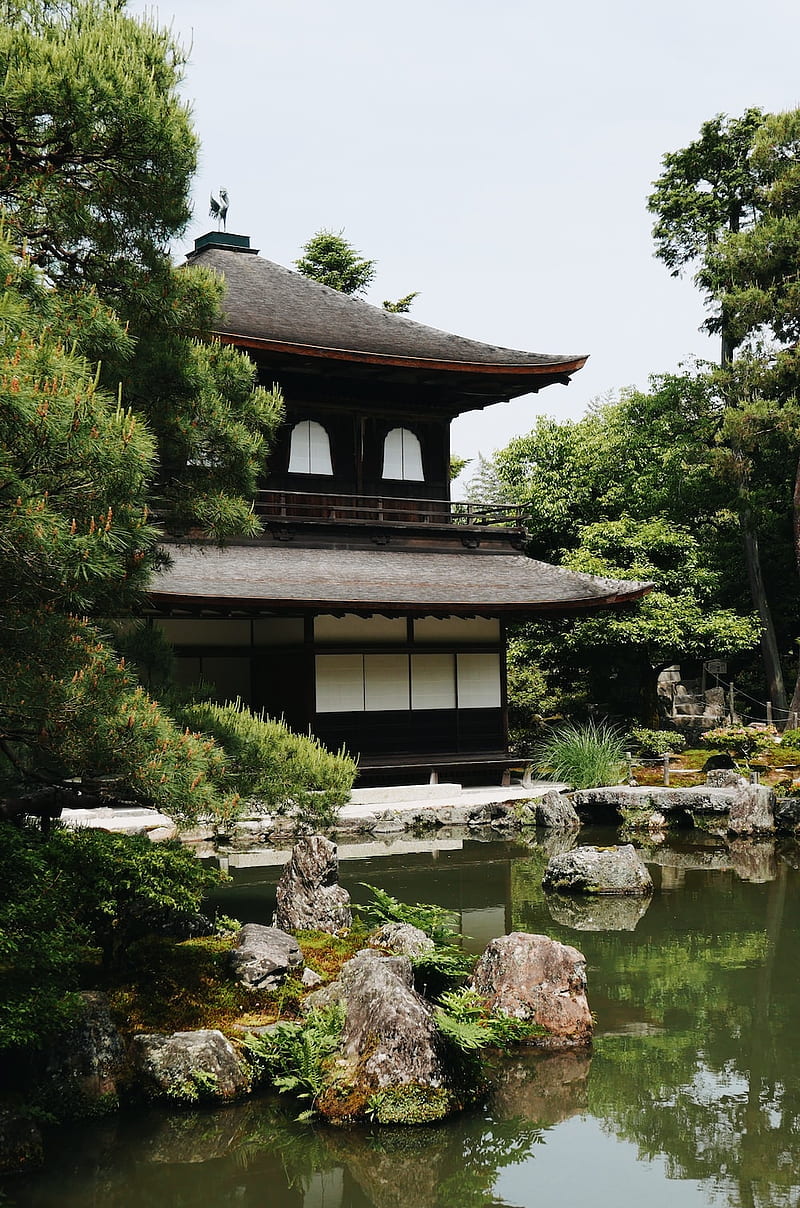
(310, 449)
(402, 456)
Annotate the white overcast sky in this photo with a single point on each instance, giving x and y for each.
(496, 157)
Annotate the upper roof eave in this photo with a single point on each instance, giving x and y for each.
(553, 369)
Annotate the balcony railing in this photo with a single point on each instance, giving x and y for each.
(376, 509)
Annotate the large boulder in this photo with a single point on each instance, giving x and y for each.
(264, 956)
(725, 778)
(556, 812)
(392, 1055)
(310, 897)
(540, 980)
(598, 870)
(189, 1067)
(402, 939)
(752, 811)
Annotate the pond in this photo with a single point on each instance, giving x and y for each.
(690, 1096)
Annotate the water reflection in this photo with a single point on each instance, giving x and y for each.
(695, 1075)
(611, 913)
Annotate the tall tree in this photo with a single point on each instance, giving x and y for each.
(709, 194)
(753, 274)
(94, 182)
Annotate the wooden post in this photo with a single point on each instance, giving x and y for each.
(769, 714)
(793, 719)
(629, 761)
(666, 769)
(730, 700)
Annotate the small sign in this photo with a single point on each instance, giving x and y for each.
(717, 667)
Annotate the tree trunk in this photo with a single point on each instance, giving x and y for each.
(769, 643)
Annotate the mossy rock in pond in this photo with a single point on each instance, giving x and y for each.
(410, 1104)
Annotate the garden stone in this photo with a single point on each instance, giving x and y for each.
(310, 897)
(725, 778)
(787, 813)
(189, 1067)
(598, 870)
(264, 956)
(401, 938)
(752, 811)
(534, 978)
(310, 979)
(390, 1042)
(557, 812)
(85, 1064)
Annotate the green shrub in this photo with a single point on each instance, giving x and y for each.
(658, 742)
(585, 756)
(267, 763)
(790, 738)
(740, 740)
(69, 895)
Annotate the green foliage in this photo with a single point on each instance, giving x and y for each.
(99, 150)
(739, 739)
(463, 1018)
(267, 763)
(42, 945)
(296, 1057)
(658, 742)
(71, 707)
(403, 305)
(409, 1104)
(329, 259)
(585, 756)
(437, 922)
(69, 895)
(74, 465)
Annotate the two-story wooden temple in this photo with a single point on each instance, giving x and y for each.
(373, 609)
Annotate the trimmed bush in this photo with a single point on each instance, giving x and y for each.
(658, 742)
(585, 756)
(268, 764)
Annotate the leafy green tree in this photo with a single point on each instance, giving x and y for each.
(99, 148)
(94, 183)
(630, 492)
(329, 259)
(723, 204)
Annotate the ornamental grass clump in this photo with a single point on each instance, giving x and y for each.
(585, 756)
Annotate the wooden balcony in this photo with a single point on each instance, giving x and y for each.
(299, 506)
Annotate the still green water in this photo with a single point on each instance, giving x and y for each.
(691, 1096)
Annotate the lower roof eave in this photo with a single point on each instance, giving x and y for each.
(165, 602)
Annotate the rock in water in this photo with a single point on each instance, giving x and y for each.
(752, 811)
(264, 956)
(189, 1067)
(310, 897)
(392, 1052)
(598, 870)
(537, 979)
(557, 812)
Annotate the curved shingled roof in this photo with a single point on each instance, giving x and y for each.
(257, 574)
(269, 306)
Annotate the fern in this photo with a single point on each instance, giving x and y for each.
(437, 922)
(463, 1018)
(295, 1056)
